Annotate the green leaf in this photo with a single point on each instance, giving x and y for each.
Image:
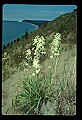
(31, 108)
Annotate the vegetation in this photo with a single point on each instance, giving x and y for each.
(53, 86)
(65, 24)
(32, 95)
(40, 88)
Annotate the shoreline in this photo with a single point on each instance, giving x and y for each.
(31, 24)
(12, 40)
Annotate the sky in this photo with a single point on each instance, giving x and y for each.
(17, 12)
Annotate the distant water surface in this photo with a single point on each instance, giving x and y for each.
(13, 29)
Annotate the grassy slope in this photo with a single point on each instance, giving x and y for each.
(65, 24)
(66, 58)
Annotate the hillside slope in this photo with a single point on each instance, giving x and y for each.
(64, 79)
(65, 24)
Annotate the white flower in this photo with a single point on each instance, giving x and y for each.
(37, 71)
(56, 42)
(42, 38)
(55, 45)
(35, 63)
(33, 74)
(26, 57)
(49, 67)
(25, 69)
(39, 43)
(5, 54)
(24, 61)
(52, 51)
(43, 52)
(33, 48)
(36, 40)
(51, 56)
(55, 49)
(56, 54)
(26, 64)
(28, 52)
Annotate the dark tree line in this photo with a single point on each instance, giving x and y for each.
(26, 36)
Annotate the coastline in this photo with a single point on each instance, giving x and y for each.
(18, 36)
(28, 23)
(32, 24)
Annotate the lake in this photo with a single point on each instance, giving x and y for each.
(11, 30)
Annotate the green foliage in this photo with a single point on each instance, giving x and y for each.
(18, 39)
(33, 93)
(8, 45)
(18, 57)
(4, 47)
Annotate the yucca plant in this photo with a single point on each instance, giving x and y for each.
(33, 93)
(57, 86)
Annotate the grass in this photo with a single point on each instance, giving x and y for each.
(36, 93)
(64, 92)
(65, 24)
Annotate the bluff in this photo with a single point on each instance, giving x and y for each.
(65, 24)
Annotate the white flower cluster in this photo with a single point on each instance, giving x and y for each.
(55, 45)
(5, 54)
(39, 43)
(28, 59)
(28, 55)
(25, 65)
(36, 65)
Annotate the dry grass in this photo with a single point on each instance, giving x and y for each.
(64, 84)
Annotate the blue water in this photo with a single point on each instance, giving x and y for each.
(13, 29)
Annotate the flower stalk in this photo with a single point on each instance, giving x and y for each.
(39, 43)
(55, 50)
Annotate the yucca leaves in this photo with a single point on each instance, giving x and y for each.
(32, 94)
